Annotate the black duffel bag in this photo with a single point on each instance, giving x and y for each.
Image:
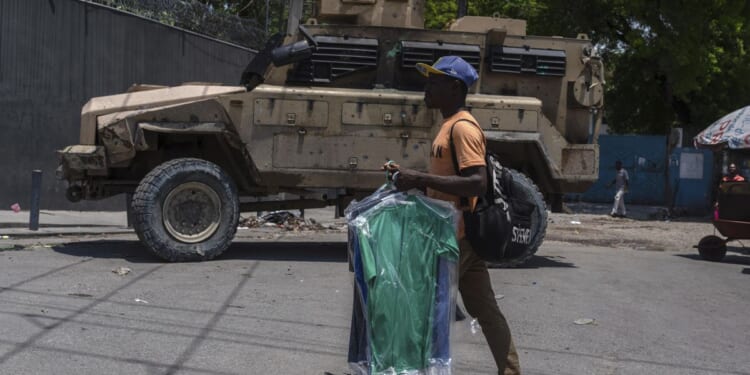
(500, 227)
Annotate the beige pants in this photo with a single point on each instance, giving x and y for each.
(479, 298)
(619, 206)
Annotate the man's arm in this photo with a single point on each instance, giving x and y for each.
(472, 181)
(627, 180)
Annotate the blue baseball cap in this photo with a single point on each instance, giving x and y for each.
(451, 66)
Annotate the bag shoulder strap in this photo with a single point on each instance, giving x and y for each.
(464, 201)
(453, 146)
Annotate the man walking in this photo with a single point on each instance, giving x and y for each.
(448, 81)
(621, 182)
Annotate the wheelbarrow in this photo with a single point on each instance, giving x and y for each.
(731, 220)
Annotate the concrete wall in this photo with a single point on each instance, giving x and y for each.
(56, 54)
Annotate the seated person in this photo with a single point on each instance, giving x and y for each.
(733, 175)
(733, 197)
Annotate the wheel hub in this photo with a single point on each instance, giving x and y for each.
(192, 212)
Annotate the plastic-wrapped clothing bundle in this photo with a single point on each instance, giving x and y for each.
(405, 254)
(358, 356)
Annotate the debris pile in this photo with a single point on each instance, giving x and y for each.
(281, 219)
(297, 224)
(249, 222)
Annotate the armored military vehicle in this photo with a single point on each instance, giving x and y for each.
(319, 110)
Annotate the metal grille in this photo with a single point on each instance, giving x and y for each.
(336, 57)
(427, 52)
(543, 62)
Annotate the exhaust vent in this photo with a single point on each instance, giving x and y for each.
(543, 62)
(427, 52)
(336, 57)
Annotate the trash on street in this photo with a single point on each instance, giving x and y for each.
(277, 217)
(584, 321)
(121, 271)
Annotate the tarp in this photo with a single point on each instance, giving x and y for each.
(732, 131)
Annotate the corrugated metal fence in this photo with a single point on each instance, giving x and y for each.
(56, 54)
(644, 157)
(683, 179)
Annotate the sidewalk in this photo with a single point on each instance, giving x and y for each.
(635, 212)
(80, 223)
(71, 223)
(53, 223)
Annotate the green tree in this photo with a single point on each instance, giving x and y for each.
(440, 13)
(672, 63)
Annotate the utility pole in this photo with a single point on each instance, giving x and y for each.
(295, 15)
(462, 8)
(268, 13)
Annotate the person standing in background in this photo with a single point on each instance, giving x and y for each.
(621, 182)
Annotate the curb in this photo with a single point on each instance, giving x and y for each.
(26, 235)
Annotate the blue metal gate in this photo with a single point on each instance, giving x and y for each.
(691, 173)
(683, 180)
(644, 157)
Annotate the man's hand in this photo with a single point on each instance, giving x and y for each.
(404, 179)
(391, 167)
(408, 179)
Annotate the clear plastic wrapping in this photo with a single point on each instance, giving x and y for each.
(404, 253)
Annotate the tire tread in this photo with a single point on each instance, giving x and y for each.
(145, 202)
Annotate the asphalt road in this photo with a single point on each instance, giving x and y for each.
(283, 307)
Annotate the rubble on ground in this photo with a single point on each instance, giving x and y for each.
(285, 220)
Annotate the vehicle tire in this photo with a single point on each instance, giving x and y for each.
(525, 190)
(186, 210)
(712, 248)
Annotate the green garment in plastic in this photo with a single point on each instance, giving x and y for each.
(400, 245)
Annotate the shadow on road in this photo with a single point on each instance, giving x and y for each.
(537, 261)
(302, 251)
(108, 249)
(288, 251)
(730, 258)
(134, 252)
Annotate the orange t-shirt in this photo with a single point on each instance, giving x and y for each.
(470, 146)
(736, 178)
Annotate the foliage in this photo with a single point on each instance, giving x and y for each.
(672, 63)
